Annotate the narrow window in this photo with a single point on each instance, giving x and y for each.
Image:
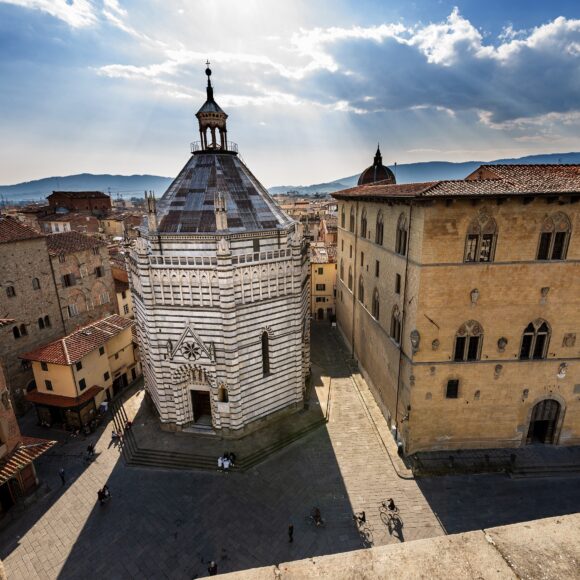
(43, 366)
(68, 280)
(47, 321)
(123, 294)
(361, 290)
(342, 245)
(35, 284)
(256, 243)
(61, 257)
(16, 332)
(350, 252)
(40, 323)
(265, 354)
(72, 310)
(48, 385)
(10, 291)
(397, 283)
(106, 376)
(377, 268)
(350, 278)
(223, 395)
(401, 239)
(23, 330)
(342, 217)
(82, 384)
(125, 309)
(363, 223)
(396, 325)
(376, 304)
(99, 271)
(96, 250)
(379, 229)
(101, 350)
(351, 221)
(468, 341)
(452, 391)
(362, 258)
(341, 269)
(320, 271)
(79, 365)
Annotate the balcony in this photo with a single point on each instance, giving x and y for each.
(231, 148)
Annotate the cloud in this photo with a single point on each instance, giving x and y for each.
(77, 14)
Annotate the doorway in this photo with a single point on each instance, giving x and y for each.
(543, 422)
(201, 406)
(321, 314)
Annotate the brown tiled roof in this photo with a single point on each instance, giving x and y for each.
(60, 400)
(81, 194)
(121, 285)
(71, 242)
(487, 180)
(6, 322)
(11, 230)
(27, 450)
(75, 346)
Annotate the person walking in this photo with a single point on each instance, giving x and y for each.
(62, 476)
(290, 533)
(212, 568)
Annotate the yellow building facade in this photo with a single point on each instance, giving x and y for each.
(322, 281)
(75, 374)
(459, 301)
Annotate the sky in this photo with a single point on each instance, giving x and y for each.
(310, 86)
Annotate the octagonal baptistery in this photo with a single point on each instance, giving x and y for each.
(219, 280)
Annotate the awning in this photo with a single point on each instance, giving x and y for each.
(27, 451)
(61, 401)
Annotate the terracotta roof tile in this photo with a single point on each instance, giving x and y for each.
(81, 194)
(27, 450)
(11, 230)
(487, 180)
(75, 346)
(61, 401)
(71, 242)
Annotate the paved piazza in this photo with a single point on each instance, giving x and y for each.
(168, 524)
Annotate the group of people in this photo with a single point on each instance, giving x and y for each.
(226, 461)
(104, 494)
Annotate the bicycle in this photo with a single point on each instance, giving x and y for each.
(364, 531)
(389, 514)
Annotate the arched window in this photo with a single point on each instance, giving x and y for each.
(342, 216)
(341, 269)
(481, 239)
(363, 223)
(41, 323)
(379, 229)
(35, 284)
(265, 353)
(10, 291)
(16, 332)
(351, 220)
(401, 241)
(554, 237)
(468, 341)
(223, 394)
(23, 331)
(361, 289)
(535, 340)
(350, 277)
(396, 324)
(376, 304)
(47, 321)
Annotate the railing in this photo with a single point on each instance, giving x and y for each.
(230, 146)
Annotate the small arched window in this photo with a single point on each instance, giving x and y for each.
(47, 321)
(361, 289)
(350, 278)
(341, 269)
(481, 239)
(376, 304)
(223, 394)
(555, 237)
(351, 220)
(468, 342)
(379, 229)
(35, 284)
(16, 332)
(342, 216)
(10, 291)
(23, 331)
(396, 324)
(535, 340)
(41, 323)
(265, 354)
(363, 223)
(401, 241)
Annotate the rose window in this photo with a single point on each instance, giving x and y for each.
(190, 350)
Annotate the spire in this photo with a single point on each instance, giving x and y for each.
(209, 87)
(378, 156)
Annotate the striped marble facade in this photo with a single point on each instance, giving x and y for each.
(202, 303)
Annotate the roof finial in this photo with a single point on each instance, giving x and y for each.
(378, 156)
(209, 87)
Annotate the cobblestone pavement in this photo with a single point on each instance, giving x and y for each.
(168, 524)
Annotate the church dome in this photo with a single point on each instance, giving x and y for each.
(377, 172)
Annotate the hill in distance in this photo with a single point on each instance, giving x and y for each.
(127, 186)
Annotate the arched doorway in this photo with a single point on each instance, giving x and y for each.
(543, 422)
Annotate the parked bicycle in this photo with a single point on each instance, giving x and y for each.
(363, 528)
